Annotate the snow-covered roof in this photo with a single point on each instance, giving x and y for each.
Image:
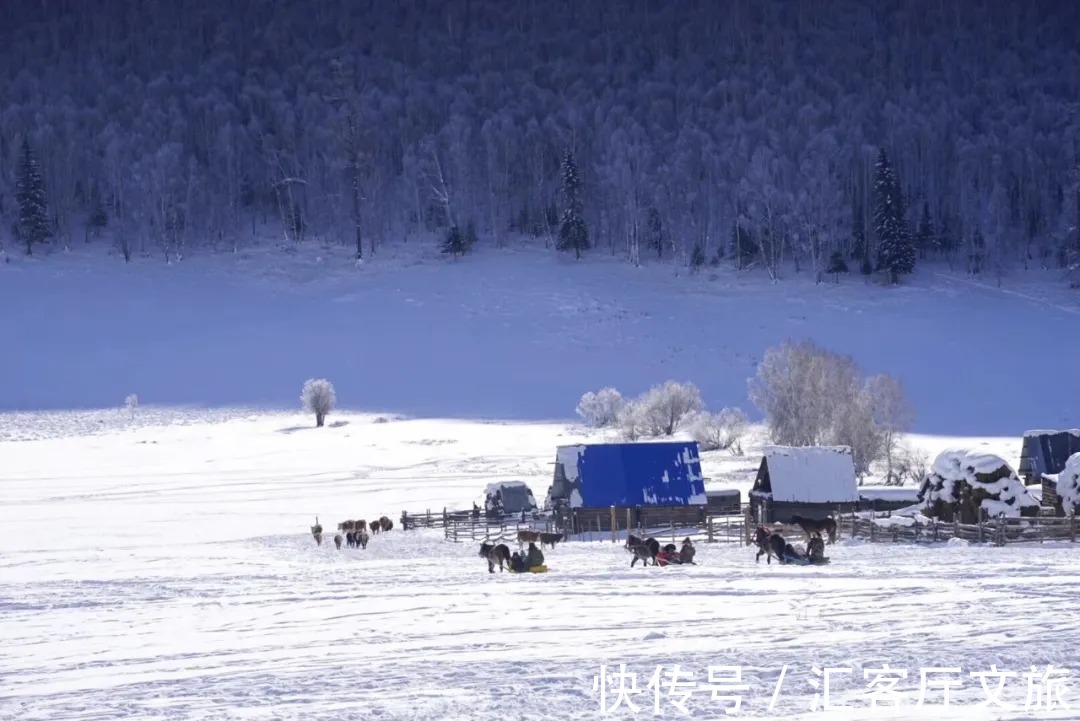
(1068, 484)
(813, 474)
(1037, 433)
(955, 465)
(492, 487)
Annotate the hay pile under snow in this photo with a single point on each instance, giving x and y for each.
(1068, 485)
(961, 482)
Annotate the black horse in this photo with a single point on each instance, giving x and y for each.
(643, 548)
(769, 545)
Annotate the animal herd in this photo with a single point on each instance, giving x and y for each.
(355, 534)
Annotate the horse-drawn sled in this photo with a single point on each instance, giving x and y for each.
(804, 560)
(773, 545)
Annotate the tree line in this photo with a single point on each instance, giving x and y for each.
(746, 131)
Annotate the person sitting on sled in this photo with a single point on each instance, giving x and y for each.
(534, 557)
(517, 563)
(815, 550)
(667, 556)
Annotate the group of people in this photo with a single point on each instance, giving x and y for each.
(669, 554)
(522, 562)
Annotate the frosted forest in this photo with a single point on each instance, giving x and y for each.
(758, 133)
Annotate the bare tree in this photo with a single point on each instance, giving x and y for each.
(891, 414)
(319, 398)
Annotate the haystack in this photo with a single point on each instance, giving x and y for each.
(963, 483)
(1068, 485)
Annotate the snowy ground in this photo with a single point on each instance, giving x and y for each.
(166, 572)
(515, 334)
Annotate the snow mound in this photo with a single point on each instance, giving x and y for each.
(958, 476)
(1068, 485)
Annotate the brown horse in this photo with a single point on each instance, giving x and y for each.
(316, 532)
(524, 537)
(385, 524)
(361, 538)
(337, 541)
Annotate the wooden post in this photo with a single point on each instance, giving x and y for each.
(708, 529)
(672, 531)
(629, 520)
(1072, 528)
(614, 526)
(1001, 530)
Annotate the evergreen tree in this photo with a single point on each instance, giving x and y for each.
(925, 238)
(573, 233)
(454, 243)
(471, 236)
(837, 265)
(896, 251)
(33, 222)
(697, 256)
(656, 231)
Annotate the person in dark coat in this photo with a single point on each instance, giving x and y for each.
(517, 563)
(534, 557)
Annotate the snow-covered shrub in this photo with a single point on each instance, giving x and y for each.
(601, 409)
(963, 483)
(663, 408)
(719, 431)
(630, 422)
(1068, 485)
(319, 398)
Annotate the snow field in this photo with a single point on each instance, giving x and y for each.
(167, 572)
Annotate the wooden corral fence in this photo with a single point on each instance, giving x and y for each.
(996, 531)
(465, 526)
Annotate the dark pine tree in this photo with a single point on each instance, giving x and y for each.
(573, 233)
(859, 247)
(896, 251)
(837, 265)
(454, 243)
(33, 220)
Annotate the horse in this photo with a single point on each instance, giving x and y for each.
(645, 549)
(812, 527)
(687, 552)
(350, 539)
(550, 539)
(385, 524)
(360, 538)
(495, 554)
(769, 544)
(316, 532)
(375, 527)
(524, 537)
(337, 541)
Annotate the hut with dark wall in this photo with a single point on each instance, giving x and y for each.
(813, 482)
(653, 484)
(1043, 456)
(968, 486)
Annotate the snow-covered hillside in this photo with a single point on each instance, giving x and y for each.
(167, 572)
(514, 334)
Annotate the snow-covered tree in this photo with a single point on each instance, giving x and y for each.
(131, 403)
(573, 232)
(896, 252)
(318, 397)
(454, 244)
(601, 409)
(721, 431)
(663, 408)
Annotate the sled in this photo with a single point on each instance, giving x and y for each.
(538, 569)
(804, 561)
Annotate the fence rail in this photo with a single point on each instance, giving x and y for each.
(996, 531)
